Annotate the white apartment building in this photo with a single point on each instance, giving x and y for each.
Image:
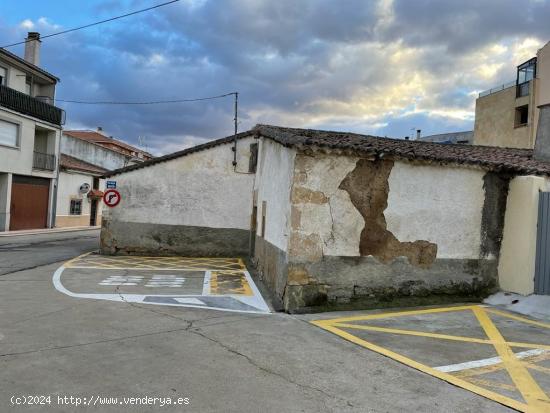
(30, 134)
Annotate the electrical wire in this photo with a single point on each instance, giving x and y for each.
(153, 102)
(92, 24)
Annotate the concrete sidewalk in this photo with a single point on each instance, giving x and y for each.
(46, 231)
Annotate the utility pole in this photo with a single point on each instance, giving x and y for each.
(236, 125)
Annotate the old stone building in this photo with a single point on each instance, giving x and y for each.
(335, 219)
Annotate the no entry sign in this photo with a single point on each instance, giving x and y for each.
(111, 198)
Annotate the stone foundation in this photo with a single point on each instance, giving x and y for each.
(135, 238)
(271, 263)
(365, 282)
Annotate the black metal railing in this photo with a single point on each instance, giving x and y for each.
(27, 105)
(43, 161)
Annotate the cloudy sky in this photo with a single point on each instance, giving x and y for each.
(379, 67)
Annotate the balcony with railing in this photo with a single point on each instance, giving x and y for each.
(27, 105)
(44, 161)
(497, 89)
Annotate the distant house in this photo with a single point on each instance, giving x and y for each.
(121, 151)
(85, 156)
(30, 132)
(507, 115)
(79, 194)
(465, 138)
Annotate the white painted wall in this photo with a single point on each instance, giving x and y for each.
(438, 204)
(69, 183)
(516, 268)
(200, 189)
(18, 160)
(274, 174)
(16, 78)
(92, 153)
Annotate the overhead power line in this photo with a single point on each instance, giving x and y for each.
(152, 102)
(94, 24)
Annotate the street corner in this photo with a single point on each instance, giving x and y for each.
(212, 283)
(496, 354)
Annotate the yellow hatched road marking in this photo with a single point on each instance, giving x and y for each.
(517, 318)
(493, 384)
(538, 368)
(325, 324)
(524, 383)
(478, 371)
(153, 263)
(436, 335)
(527, 386)
(401, 314)
(413, 333)
(223, 283)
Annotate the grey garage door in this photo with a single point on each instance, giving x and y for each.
(542, 265)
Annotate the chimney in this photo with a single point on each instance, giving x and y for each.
(418, 132)
(32, 48)
(542, 142)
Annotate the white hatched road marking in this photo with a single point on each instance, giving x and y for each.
(171, 281)
(225, 302)
(122, 280)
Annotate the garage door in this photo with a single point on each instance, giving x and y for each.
(29, 202)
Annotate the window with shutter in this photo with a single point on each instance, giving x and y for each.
(9, 133)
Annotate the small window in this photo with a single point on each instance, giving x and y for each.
(76, 207)
(3, 76)
(9, 133)
(522, 115)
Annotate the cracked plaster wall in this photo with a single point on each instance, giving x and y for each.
(324, 220)
(386, 230)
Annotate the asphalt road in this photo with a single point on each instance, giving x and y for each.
(53, 345)
(31, 251)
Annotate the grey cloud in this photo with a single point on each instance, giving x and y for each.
(287, 59)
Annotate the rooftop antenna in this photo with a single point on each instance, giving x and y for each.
(143, 143)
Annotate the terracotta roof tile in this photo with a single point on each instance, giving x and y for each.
(517, 161)
(514, 161)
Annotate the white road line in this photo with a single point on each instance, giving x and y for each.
(206, 283)
(486, 362)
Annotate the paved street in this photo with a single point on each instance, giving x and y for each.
(54, 344)
(31, 251)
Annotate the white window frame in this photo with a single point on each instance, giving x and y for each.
(5, 83)
(17, 138)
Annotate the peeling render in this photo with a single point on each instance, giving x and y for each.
(494, 208)
(367, 233)
(368, 189)
(324, 221)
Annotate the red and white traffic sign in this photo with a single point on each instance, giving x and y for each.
(111, 197)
